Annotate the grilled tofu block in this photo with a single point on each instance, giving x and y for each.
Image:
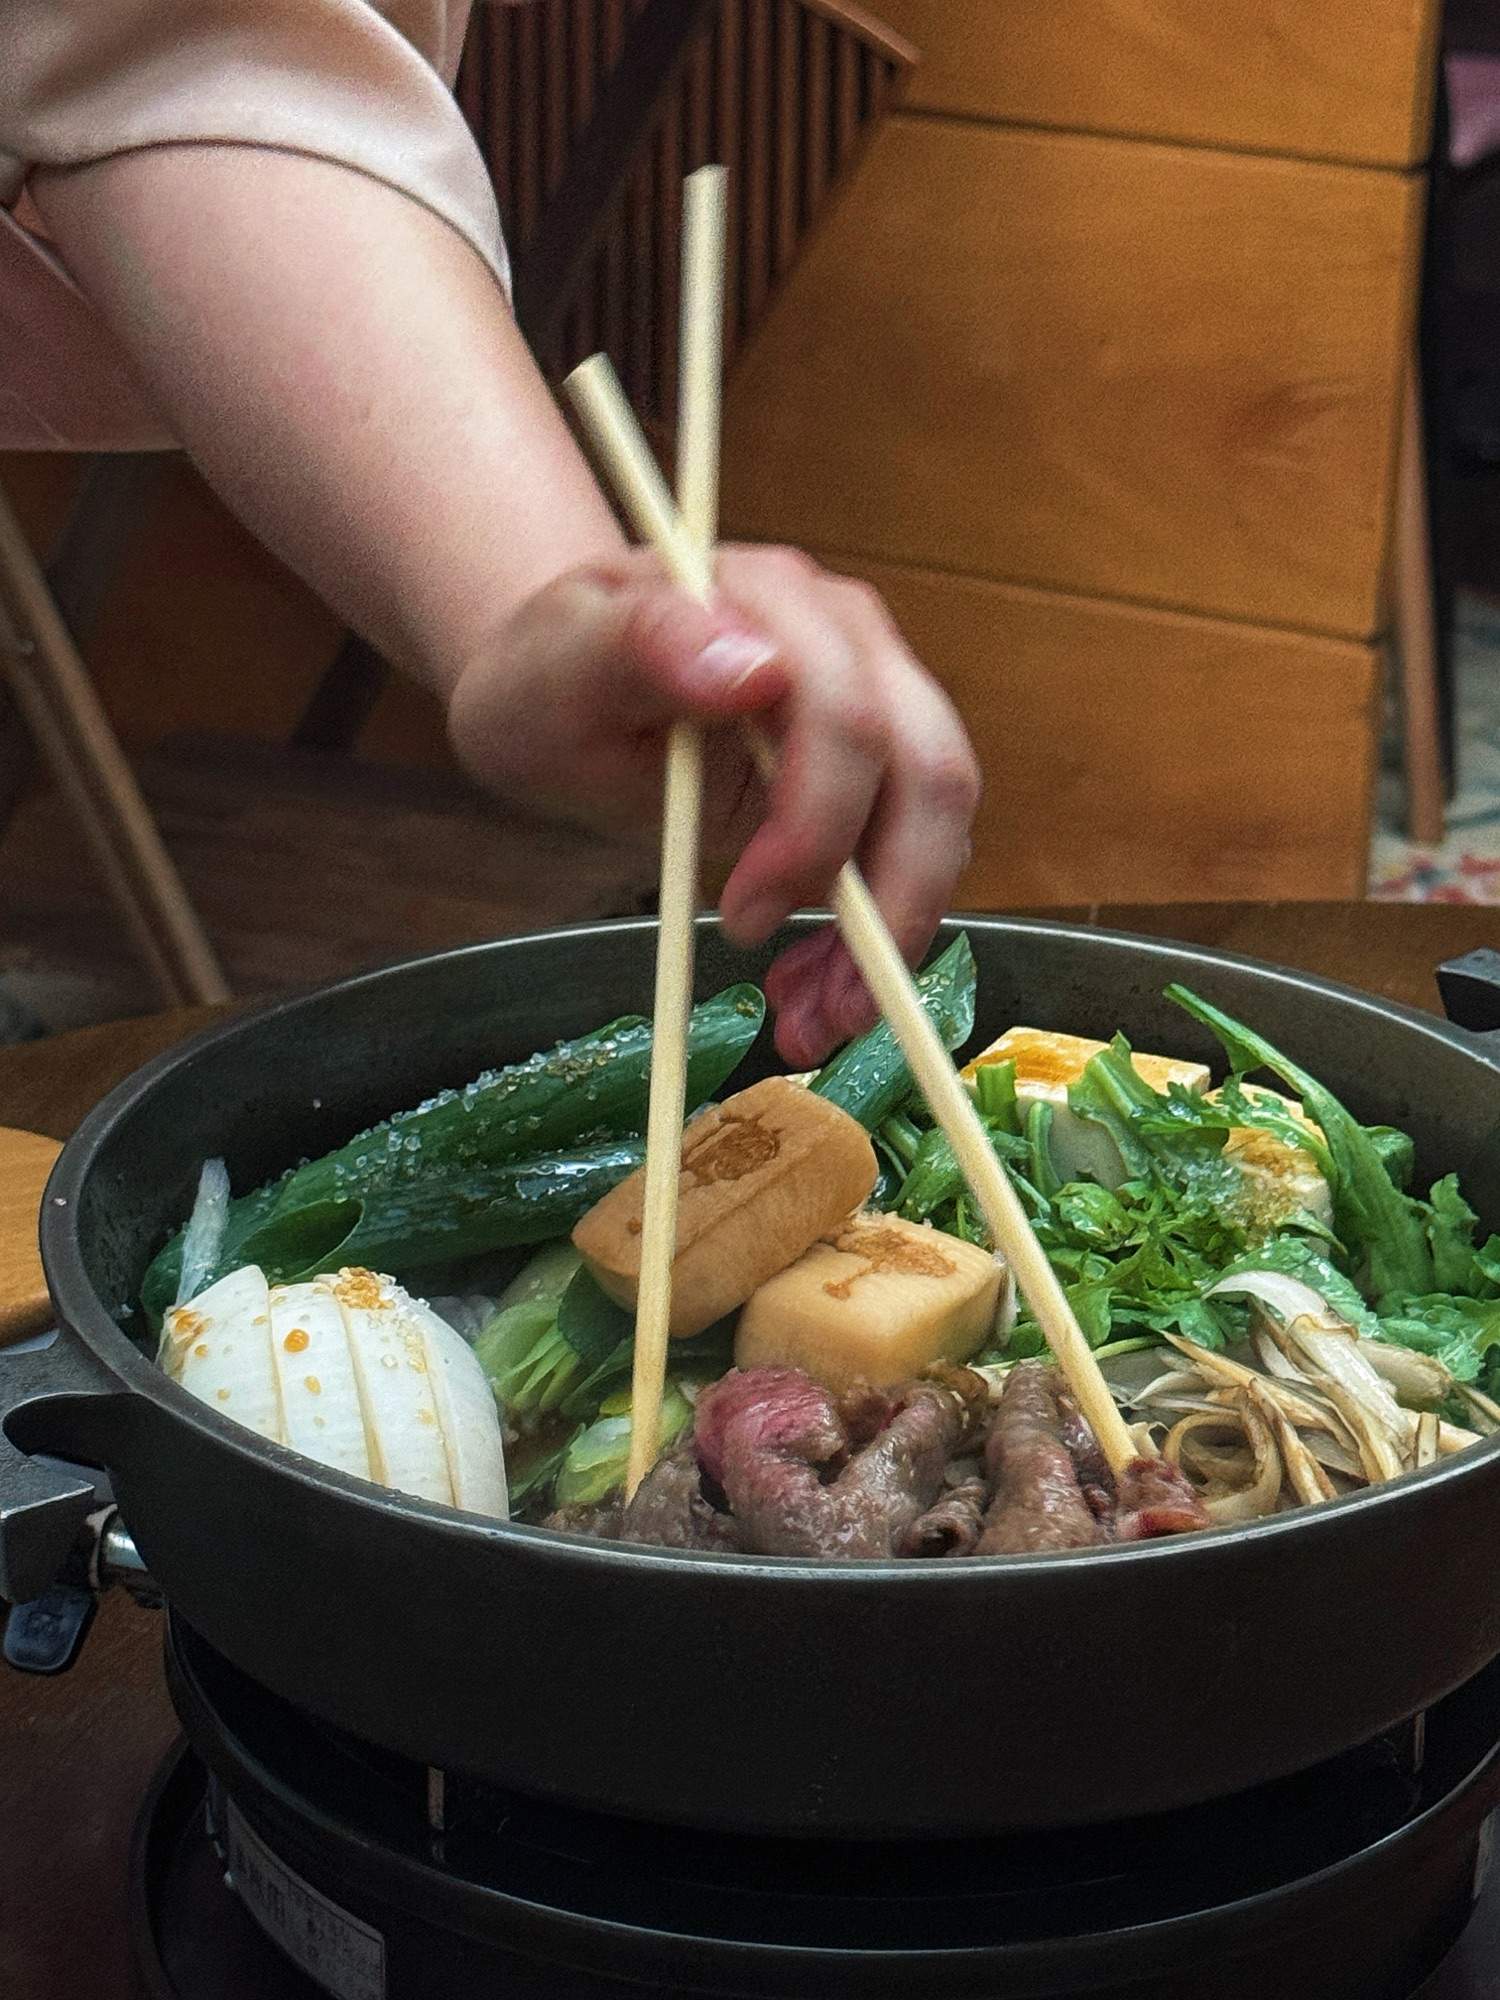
(877, 1301)
(764, 1174)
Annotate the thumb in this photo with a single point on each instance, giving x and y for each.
(675, 656)
(566, 715)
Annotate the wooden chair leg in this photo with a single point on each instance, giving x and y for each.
(52, 689)
(1416, 629)
(117, 491)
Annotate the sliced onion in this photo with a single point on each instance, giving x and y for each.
(1288, 1297)
(1453, 1437)
(1306, 1476)
(1272, 1359)
(1253, 1498)
(203, 1239)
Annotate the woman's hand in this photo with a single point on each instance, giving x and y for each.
(566, 713)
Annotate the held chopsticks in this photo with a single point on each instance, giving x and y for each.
(698, 457)
(625, 455)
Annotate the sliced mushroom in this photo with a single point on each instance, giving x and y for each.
(1420, 1381)
(1427, 1438)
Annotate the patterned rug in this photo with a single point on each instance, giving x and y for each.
(1465, 867)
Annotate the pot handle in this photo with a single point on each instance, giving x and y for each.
(1470, 990)
(44, 1503)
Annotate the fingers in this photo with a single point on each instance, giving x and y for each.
(568, 713)
(570, 716)
(874, 763)
(796, 987)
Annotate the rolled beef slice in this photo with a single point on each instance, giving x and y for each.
(950, 1527)
(1037, 1502)
(671, 1511)
(1155, 1498)
(779, 1447)
(1095, 1479)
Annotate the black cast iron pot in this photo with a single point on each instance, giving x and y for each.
(758, 1695)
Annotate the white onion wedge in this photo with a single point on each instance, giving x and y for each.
(352, 1372)
(402, 1428)
(470, 1422)
(320, 1404)
(219, 1348)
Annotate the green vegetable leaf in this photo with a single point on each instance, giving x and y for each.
(1457, 1332)
(1451, 1224)
(1296, 1257)
(516, 1156)
(1114, 1094)
(529, 1365)
(590, 1321)
(598, 1458)
(995, 1093)
(869, 1079)
(1397, 1150)
(935, 1178)
(902, 1137)
(1372, 1216)
(1042, 1175)
(533, 1472)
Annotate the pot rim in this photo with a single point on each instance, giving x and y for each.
(83, 1316)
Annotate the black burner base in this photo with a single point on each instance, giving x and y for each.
(1356, 1882)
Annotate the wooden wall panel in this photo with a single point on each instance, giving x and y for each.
(1332, 79)
(1147, 756)
(1145, 371)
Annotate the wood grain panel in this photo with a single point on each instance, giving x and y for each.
(1146, 756)
(1145, 371)
(1333, 79)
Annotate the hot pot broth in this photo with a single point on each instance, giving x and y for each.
(1281, 1317)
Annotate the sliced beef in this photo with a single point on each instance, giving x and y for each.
(780, 1448)
(886, 1488)
(671, 1511)
(779, 1413)
(950, 1527)
(1155, 1499)
(602, 1520)
(865, 1411)
(1095, 1480)
(1037, 1503)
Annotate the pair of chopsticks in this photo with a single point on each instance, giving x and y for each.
(683, 535)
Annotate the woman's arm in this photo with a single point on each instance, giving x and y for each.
(347, 374)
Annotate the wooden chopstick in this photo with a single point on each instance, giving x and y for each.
(599, 399)
(705, 225)
(884, 971)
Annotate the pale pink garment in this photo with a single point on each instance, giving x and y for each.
(366, 83)
(1473, 108)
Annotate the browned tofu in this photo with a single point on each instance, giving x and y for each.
(764, 1174)
(878, 1302)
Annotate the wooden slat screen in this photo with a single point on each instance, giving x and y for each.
(783, 92)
